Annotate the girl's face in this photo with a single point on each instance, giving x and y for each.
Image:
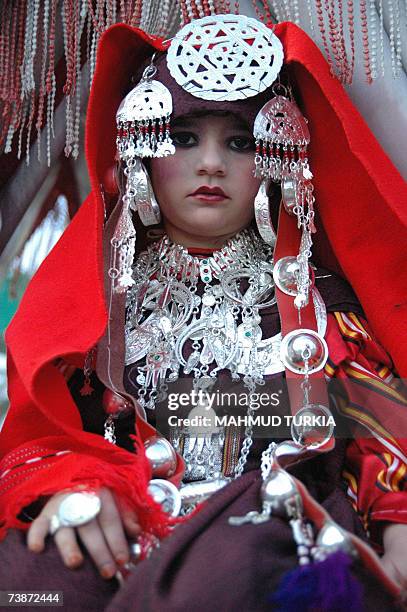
(207, 189)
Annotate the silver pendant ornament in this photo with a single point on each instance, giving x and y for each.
(225, 57)
(282, 137)
(139, 188)
(281, 497)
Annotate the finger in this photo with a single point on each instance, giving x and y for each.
(37, 533)
(111, 525)
(129, 520)
(130, 524)
(95, 543)
(68, 547)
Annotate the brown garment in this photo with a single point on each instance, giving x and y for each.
(205, 565)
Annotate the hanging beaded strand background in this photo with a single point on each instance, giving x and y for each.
(28, 31)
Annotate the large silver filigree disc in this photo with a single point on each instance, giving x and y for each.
(280, 120)
(148, 100)
(225, 57)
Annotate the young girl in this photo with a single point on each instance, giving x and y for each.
(199, 306)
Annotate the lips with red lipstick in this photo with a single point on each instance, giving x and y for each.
(209, 194)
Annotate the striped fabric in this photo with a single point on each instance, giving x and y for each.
(372, 398)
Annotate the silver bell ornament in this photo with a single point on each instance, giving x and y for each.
(304, 351)
(312, 426)
(332, 538)
(166, 494)
(285, 275)
(161, 456)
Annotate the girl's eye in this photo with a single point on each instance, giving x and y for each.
(184, 139)
(242, 143)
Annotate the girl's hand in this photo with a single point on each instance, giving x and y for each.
(394, 559)
(104, 537)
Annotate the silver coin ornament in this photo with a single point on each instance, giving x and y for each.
(304, 350)
(166, 494)
(225, 57)
(161, 456)
(78, 509)
(313, 426)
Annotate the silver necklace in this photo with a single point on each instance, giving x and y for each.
(211, 305)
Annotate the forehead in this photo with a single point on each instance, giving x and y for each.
(224, 121)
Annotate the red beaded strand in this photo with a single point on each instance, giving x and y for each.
(43, 55)
(321, 26)
(259, 14)
(345, 61)
(365, 39)
(137, 13)
(351, 23)
(334, 36)
(267, 12)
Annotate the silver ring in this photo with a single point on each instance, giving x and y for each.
(75, 510)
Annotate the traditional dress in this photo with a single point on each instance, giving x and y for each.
(47, 448)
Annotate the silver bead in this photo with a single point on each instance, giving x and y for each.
(301, 300)
(166, 494)
(302, 347)
(162, 457)
(285, 275)
(136, 550)
(303, 561)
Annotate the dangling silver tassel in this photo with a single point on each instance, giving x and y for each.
(123, 244)
(282, 137)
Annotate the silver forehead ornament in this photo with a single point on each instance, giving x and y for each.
(225, 57)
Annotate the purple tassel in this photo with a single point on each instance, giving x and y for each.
(324, 586)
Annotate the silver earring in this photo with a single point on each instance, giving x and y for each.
(141, 189)
(282, 138)
(262, 214)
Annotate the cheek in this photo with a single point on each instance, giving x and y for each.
(245, 183)
(162, 173)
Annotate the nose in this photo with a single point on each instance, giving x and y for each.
(211, 160)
